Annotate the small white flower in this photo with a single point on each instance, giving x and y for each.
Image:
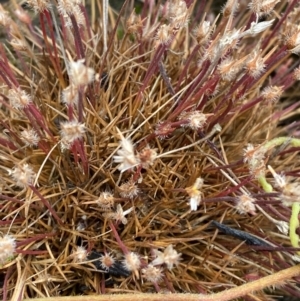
(119, 215)
(169, 257)
(107, 261)
(125, 155)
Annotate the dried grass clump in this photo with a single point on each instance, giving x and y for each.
(127, 145)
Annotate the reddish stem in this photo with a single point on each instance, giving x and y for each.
(77, 38)
(118, 239)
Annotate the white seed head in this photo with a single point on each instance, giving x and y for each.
(255, 65)
(230, 8)
(296, 73)
(196, 119)
(23, 175)
(262, 7)
(177, 13)
(293, 39)
(69, 96)
(134, 23)
(66, 7)
(147, 156)
(203, 32)
(119, 215)
(19, 99)
(77, 14)
(272, 93)
(152, 273)
(80, 75)
(129, 190)
(290, 190)
(280, 180)
(125, 155)
(163, 35)
(70, 131)
(132, 261)
(255, 157)
(106, 200)
(80, 254)
(30, 137)
(229, 39)
(245, 205)
(39, 5)
(7, 248)
(163, 129)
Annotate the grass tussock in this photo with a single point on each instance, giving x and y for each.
(127, 145)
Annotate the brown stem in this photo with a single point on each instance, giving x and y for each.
(236, 292)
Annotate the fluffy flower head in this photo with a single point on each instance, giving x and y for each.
(195, 119)
(147, 156)
(169, 257)
(125, 155)
(290, 191)
(129, 189)
(107, 261)
(7, 248)
(30, 137)
(19, 99)
(119, 215)
(80, 254)
(106, 200)
(23, 175)
(70, 131)
(80, 74)
(132, 262)
(152, 273)
(39, 5)
(255, 157)
(245, 205)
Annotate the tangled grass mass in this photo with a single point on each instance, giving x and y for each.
(149, 153)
